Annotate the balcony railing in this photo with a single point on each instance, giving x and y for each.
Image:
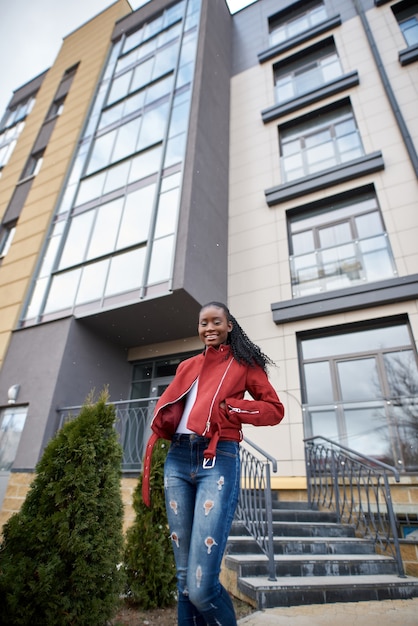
(298, 84)
(345, 265)
(298, 162)
(132, 424)
(356, 487)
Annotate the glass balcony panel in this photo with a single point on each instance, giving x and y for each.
(377, 258)
(331, 68)
(285, 90)
(410, 31)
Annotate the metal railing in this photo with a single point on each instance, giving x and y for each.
(356, 487)
(132, 424)
(254, 508)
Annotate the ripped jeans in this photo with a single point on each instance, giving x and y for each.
(200, 508)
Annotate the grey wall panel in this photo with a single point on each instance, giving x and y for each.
(201, 252)
(250, 28)
(57, 365)
(27, 90)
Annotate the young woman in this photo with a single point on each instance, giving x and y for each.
(202, 412)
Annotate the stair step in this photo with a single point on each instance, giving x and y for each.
(304, 529)
(294, 505)
(303, 545)
(291, 591)
(303, 515)
(291, 565)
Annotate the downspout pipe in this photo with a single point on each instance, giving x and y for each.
(407, 139)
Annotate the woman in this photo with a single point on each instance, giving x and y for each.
(201, 412)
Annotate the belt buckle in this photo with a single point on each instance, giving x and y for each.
(209, 463)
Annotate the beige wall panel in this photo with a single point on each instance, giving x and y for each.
(13, 292)
(267, 279)
(162, 349)
(20, 268)
(403, 79)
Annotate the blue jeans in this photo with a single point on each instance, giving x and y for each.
(200, 508)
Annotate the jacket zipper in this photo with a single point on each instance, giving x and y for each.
(216, 393)
(174, 401)
(238, 410)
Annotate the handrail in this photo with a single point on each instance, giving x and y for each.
(356, 487)
(254, 507)
(369, 459)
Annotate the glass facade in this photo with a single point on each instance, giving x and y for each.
(114, 230)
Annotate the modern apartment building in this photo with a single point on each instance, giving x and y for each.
(175, 155)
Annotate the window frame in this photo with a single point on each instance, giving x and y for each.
(382, 401)
(344, 209)
(304, 130)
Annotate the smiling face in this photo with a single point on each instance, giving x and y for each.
(213, 326)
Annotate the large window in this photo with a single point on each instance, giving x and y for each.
(406, 14)
(319, 142)
(288, 25)
(7, 232)
(301, 74)
(337, 245)
(11, 426)
(360, 388)
(114, 230)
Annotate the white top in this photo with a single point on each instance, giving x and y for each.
(190, 400)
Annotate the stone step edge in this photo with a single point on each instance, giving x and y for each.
(262, 583)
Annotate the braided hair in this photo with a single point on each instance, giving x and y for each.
(242, 348)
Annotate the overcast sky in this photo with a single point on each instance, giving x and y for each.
(31, 33)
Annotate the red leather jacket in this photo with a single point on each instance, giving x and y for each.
(221, 380)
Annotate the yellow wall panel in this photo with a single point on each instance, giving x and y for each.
(88, 46)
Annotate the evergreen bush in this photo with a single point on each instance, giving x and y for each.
(60, 554)
(149, 559)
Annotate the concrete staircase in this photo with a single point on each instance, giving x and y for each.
(317, 561)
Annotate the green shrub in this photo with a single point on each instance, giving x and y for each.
(149, 559)
(60, 555)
